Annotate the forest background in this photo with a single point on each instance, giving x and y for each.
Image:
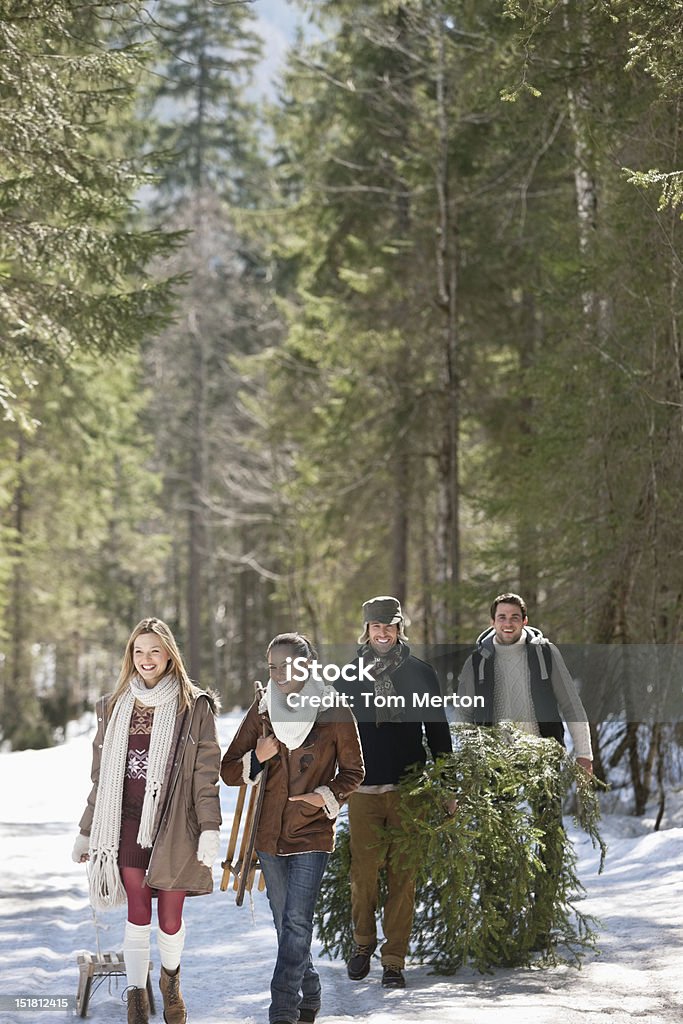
(413, 327)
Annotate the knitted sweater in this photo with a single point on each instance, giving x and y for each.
(512, 694)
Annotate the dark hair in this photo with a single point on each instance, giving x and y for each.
(300, 644)
(508, 599)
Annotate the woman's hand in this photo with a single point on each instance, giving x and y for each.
(80, 854)
(266, 747)
(316, 799)
(208, 846)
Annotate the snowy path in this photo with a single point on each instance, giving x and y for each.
(45, 920)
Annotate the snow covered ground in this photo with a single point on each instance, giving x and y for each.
(45, 920)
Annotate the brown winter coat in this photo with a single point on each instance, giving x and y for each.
(330, 756)
(189, 801)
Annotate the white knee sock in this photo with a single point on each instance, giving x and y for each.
(171, 947)
(136, 953)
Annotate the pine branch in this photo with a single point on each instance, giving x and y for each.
(497, 882)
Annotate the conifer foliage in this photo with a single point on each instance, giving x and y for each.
(73, 265)
(77, 296)
(497, 882)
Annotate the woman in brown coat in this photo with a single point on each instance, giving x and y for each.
(151, 824)
(315, 761)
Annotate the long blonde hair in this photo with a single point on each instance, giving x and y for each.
(188, 690)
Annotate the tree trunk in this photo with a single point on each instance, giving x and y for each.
(399, 574)
(245, 653)
(196, 504)
(527, 530)
(21, 718)
(448, 527)
(426, 578)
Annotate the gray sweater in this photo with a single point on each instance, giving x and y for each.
(512, 694)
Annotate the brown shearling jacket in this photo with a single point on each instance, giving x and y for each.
(330, 758)
(189, 801)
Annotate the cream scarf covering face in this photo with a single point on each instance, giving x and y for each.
(292, 722)
(106, 887)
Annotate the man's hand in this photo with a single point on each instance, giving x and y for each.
(310, 798)
(266, 747)
(586, 764)
(451, 807)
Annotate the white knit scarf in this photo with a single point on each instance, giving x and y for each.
(106, 887)
(292, 722)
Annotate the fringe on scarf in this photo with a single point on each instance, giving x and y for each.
(149, 810)
(104, 880)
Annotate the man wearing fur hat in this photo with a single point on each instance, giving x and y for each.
(392, 741)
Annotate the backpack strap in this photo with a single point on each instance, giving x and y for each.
(550, 724)
(540, 659)
(482, 670)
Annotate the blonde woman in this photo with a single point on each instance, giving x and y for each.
(151, 824)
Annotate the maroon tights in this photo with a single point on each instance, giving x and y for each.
(170, 909)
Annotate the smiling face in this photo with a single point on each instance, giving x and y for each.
(151, 659)
(277, 667)
(508, 623)
(382, 637)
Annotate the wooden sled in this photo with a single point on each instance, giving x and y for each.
(93, 968)
(245, 868)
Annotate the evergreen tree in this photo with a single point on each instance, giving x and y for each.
(204, 120)
(599, 481)
(79, 504)
(497, 882)
(74, 265)
(77, 291)
(382, 148)
(211, 175)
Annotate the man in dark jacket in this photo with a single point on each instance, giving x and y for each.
(391, 734)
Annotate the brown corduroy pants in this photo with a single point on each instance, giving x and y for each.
(369, 812)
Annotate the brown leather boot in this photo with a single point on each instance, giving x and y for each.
(138, 1006)
(174, 1005)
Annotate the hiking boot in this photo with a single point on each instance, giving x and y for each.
(307, 1015)
(138, 1005)
(359, 964)
(174, 1006)
(392, 977)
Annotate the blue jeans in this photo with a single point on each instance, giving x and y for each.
(292, 884)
